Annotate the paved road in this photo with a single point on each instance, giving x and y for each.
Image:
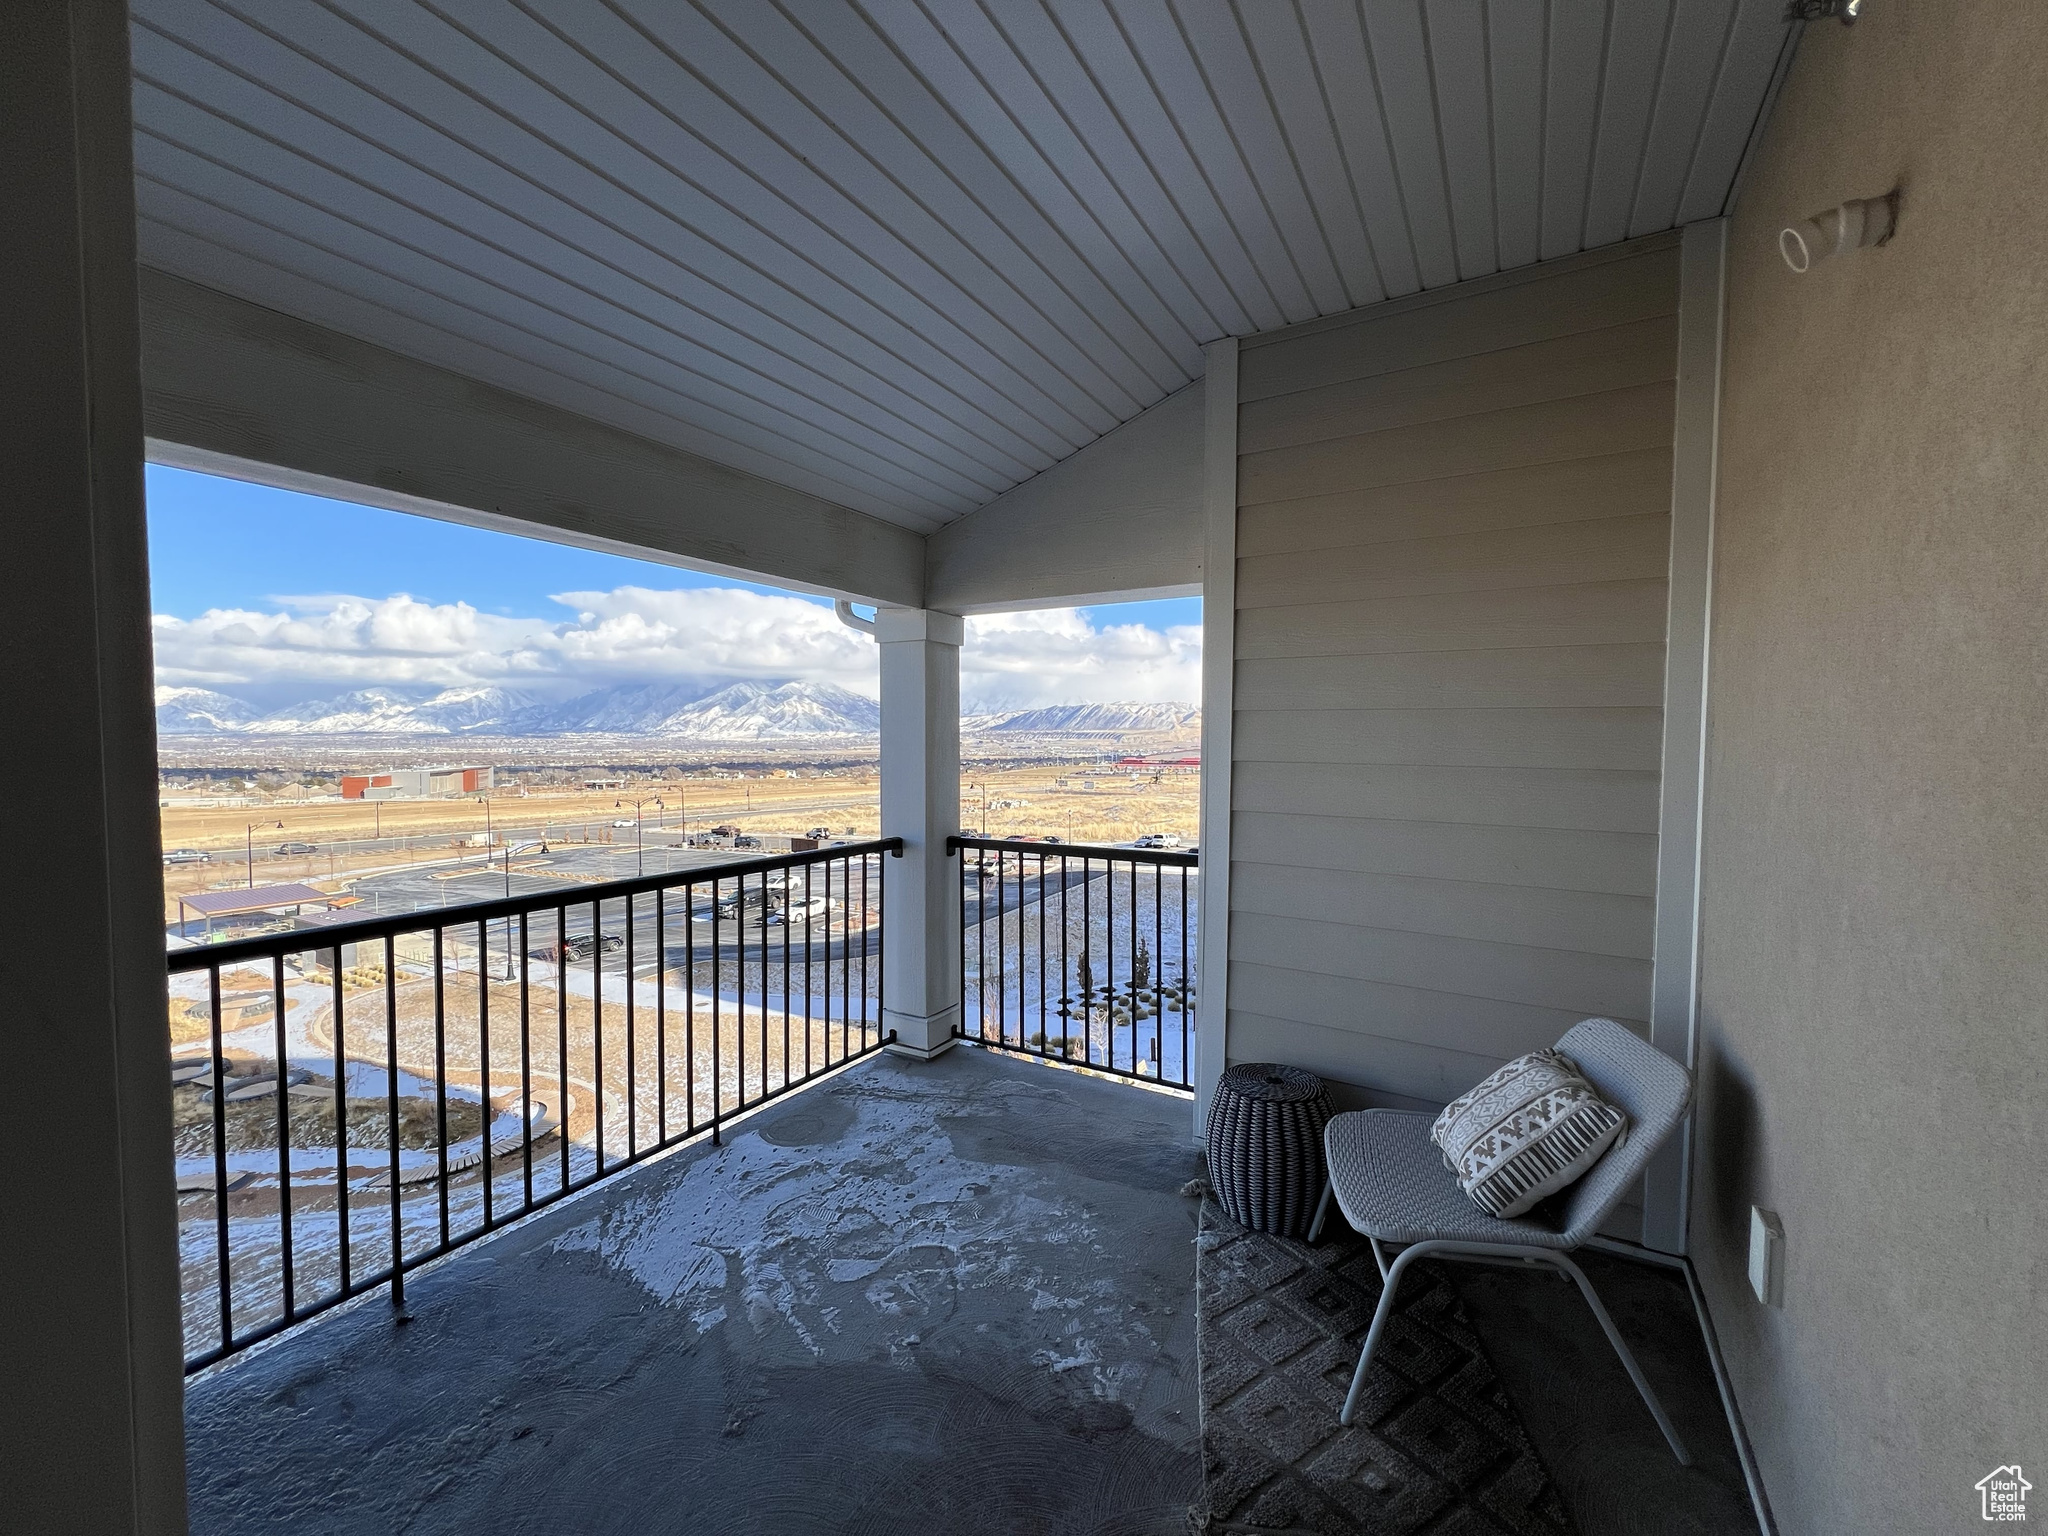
(566, 874)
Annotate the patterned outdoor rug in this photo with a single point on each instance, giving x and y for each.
(1436, 1447)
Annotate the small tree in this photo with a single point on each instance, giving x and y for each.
(1141, 967)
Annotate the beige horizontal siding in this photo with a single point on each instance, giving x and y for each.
(1550, 554)
(1570, 490)
(1504, 738)
(1584, 613)
(1567, 799)
(1546, 677)
(1615, 421)
(1453, 542)
(1576, 982)
(1583, 364)
(1624, 863)
(1598, 922)
(1409, 1027)
(1590, 298)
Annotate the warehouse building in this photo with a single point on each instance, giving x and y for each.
(415, 783)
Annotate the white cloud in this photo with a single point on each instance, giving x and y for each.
(1060, 656)
(313, 646)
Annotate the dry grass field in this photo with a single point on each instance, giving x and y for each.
(1078, 804)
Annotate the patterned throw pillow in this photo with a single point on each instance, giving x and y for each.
(1526, 1132)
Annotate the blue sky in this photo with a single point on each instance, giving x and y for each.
(280, 596)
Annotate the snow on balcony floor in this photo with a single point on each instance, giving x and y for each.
(945, 1297)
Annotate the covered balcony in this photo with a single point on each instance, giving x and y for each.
(1605, 439)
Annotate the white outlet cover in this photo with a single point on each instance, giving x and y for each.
(1766, 1256)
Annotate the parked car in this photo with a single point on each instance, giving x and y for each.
(819, 834)
(289, 849)
(746, 842)
(581, 946)
(1157, 840)
(727, 830)
(187, 856)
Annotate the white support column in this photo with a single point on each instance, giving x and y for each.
(921, 805)
(1219, 663)
(1674, 982)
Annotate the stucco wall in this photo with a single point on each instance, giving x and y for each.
(1875, 945)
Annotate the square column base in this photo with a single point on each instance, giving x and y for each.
(921, 1036)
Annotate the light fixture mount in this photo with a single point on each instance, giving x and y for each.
(1821, 10)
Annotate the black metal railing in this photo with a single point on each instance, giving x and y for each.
(1080, 953)
(356, 1099)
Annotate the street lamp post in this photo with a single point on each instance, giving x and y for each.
(639, 849)
(249, 845)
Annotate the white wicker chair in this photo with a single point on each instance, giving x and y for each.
(1390, 1181)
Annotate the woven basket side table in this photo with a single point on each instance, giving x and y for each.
(1265, 1146)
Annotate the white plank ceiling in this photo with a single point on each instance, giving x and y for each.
(906, 253)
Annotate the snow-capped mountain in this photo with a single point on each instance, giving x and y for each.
(753, 712)
(200, 712)
(391, 712)
(736, 712)
(1120, 719)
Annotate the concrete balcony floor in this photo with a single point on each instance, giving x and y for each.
(949, 1297)
(945, 1297)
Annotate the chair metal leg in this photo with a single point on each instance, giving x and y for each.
(1380, 1315)
(1635, 1372)
(1315, 1228)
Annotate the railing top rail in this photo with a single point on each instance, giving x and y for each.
(1173, 858)
(301, 940)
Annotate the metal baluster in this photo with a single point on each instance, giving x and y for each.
(483, 1035)
(1087, 960)
(827, 965)
(284, 1136)
(1158, 970)
(597, 1028)
(690, 1008)
(562, 1029)
(881, 939)
(340, 1128)
(220, 1171)
(440, 1087)
(961, 855)
(526, 1062)
(787, 885)
(810, 984)
(1043, 1042)
(981, 946)
(739, 969)
(660, 1017)
(764, 983)
(391, 1093)
(1066, 924)
(846, 964)
(866, 930)
(632, 1020)
(717, 995)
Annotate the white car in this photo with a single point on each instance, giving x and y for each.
(187, 856)
(1157, 840)
(625, 822)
